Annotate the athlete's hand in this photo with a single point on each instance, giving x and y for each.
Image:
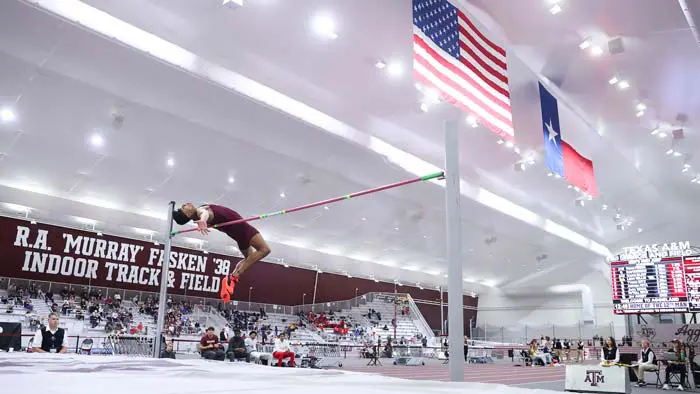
(202, 227)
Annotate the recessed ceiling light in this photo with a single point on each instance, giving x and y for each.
(555, 9)
(364, 219)
(395, 69)
(596, 50)
(396, 228)
(325, 26)
(509, 144)
(6, 115)
(232, 3)
(669, 152)
(170, 162)
(97, 140)
(380, 64)
(639, 230)
(283, 195)
(472, 121)
(326, 208)
(613, 80)
(640, 114)
(662, 134)
(677, 154)
(500, 142)
(623, 84)
(231, 179)
(641, 107)
(585, 44)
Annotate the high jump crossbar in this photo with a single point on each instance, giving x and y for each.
(435, 175)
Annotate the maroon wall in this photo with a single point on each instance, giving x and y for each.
(431, 313)
(24, 246)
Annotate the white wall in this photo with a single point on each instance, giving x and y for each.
(531, 312)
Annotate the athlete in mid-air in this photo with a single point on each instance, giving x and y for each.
(248, 238)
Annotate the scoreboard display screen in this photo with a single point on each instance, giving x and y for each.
(655, 286)
(656, 278)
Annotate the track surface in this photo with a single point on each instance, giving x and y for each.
(482, 373)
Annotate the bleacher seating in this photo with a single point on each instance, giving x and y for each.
(405, 327)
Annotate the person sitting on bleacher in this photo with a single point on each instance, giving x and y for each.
(611, 354)
(647, 362)
(210, 347)
(283, 350)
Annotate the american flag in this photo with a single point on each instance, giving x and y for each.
(454, 57)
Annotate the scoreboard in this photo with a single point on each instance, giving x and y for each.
(656, 279)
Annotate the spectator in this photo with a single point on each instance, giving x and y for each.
(237, 348)
(251, 346)
(647, 362)
(51, 339)
(283, 350)
(677, 365)
(210, 347)
(168, 351)
(611, 355)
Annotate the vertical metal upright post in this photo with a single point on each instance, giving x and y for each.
(164, 266)
(453, 213)
(313, 300)
(442, 313)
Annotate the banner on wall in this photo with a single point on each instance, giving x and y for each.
(664, 333)
(58, 254)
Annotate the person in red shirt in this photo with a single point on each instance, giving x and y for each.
(251, 244)
(209, 346)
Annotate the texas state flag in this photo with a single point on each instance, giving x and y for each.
(561, 158)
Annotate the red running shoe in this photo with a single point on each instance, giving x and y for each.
(228, 284)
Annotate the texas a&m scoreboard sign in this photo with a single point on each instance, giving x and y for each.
(656, 278)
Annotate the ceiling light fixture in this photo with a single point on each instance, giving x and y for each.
(596, 50)
(556, 8)
(170, 162)
(232, 3)
(585, 44)
(380, 64)
(97, 140)
(500, 142)
(640, 114)
(472, 121)
(395, 69)
(641, 107)
(623, 84)
(662, 134)
(6, 115)
(325, 26)
(283, 195)
(655, 131)
(613, 80)
(231, 179)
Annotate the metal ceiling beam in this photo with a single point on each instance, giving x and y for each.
(689, 18)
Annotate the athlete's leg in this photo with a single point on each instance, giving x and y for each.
(257, 251)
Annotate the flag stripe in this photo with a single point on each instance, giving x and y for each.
(488, 42)
(450, 87)
(468, 54)
(465, 37)
(455, 84)
(493, 92)
(436, 83)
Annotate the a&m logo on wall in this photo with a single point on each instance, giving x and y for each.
(646, 332)
(594, 377)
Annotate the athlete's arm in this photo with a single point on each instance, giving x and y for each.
(203, 222)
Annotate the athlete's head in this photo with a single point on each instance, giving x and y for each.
(186, 213)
